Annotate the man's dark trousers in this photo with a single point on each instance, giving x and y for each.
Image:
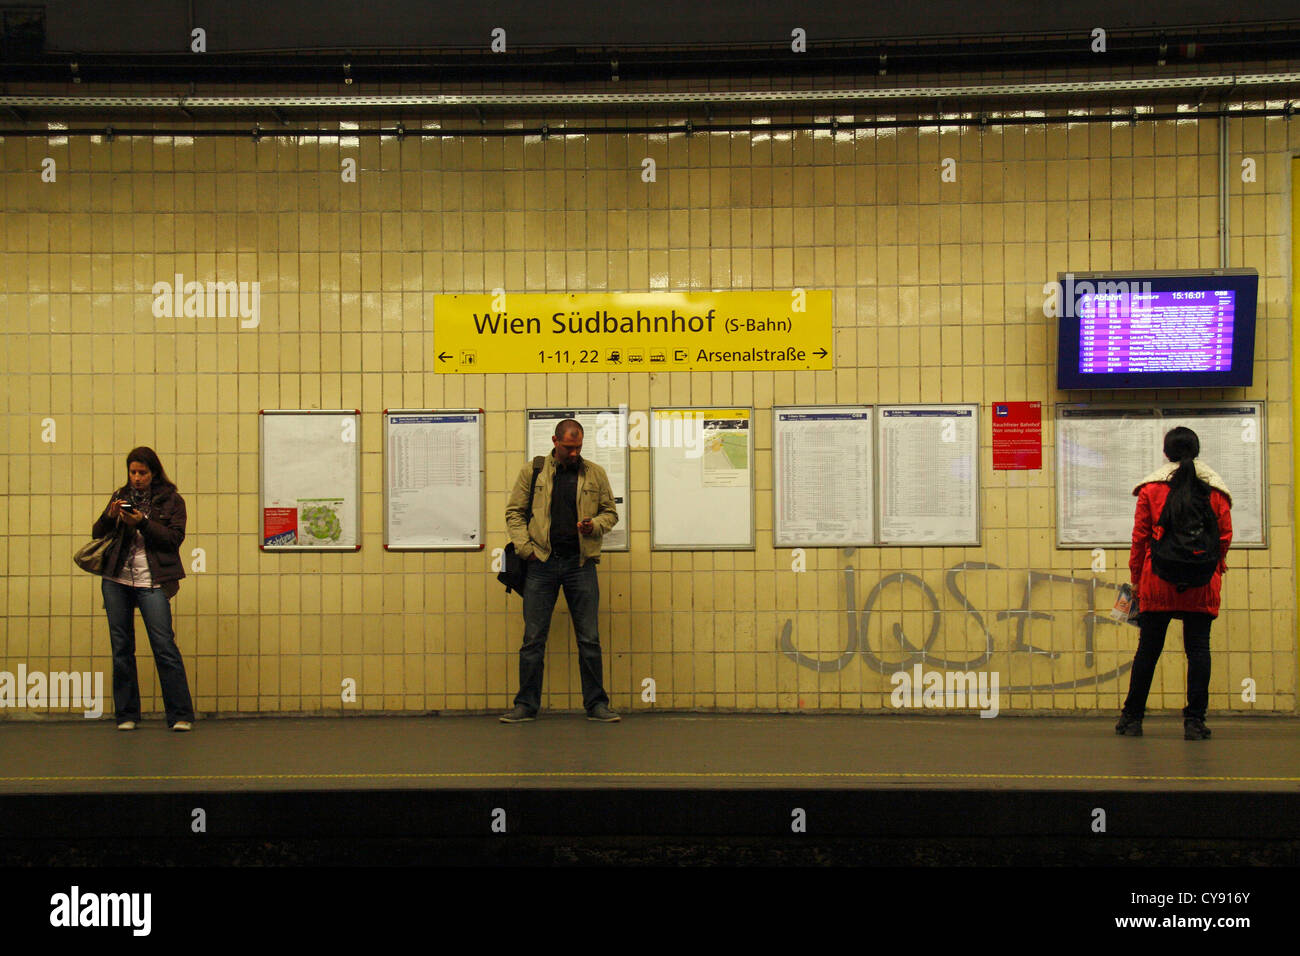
(582, 593)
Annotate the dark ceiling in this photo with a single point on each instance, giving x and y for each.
(163, 26)
(385, 44)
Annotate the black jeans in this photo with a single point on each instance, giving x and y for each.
(582, 592)
(1151, 641)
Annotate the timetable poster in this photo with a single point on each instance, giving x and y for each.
(604, 441)
(1232, 443)
(929, 474)
(823, 489)
(1102, 454)
(433, 480)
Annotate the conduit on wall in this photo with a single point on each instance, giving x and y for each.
(545, 131)
(1198, 84)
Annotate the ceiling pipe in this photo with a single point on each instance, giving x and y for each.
(1240, 85)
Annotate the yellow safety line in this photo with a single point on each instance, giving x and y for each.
(728, 775)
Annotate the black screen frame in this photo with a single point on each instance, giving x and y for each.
(1243, 282)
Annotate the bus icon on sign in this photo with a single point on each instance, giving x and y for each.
(635, 357)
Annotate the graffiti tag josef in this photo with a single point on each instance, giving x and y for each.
(858, 641)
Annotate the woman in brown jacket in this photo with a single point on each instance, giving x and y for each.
(143, 569)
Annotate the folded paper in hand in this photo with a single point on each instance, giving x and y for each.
(1126, 606)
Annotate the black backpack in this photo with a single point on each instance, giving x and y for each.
(1187, 555)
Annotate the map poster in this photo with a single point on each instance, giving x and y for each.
(319, 521)
(1017, 436)
(726, 453)
(701, 479)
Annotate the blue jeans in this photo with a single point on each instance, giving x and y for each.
(1151, 641)
(120, 601)
(581, 591)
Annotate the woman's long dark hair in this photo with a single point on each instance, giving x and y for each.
(149, 458)
(1182, 445)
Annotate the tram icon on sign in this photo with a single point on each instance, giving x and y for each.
(658, 356)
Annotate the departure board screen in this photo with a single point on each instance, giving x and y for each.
(1184, 331)
(1188, 328)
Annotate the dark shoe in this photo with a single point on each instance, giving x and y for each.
(602, 713)
(1129, 726)
(1194, 729)
(519, 715)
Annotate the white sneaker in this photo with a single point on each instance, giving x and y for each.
(182, 725)
(126, 725)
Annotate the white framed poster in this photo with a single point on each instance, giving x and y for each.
(1103, 451)
(310, 480)
(701, 479)
(928, 474)
(823, 476)
(433, 480)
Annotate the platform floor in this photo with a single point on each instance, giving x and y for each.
(647, 751)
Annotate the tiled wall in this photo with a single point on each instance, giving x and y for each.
(938, 292)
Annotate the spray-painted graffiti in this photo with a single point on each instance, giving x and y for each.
(858, 642)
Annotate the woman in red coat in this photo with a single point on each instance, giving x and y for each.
(1167, 494)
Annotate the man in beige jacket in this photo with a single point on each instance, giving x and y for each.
(557, 533)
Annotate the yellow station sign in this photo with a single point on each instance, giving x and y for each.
(633, 332)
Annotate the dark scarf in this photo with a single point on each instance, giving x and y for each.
(142, 498)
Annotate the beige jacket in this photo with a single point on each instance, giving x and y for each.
(595, 501)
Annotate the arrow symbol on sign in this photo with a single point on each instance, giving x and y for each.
(443, 356)
(820, 353)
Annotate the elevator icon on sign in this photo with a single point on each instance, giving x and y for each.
(468, 358)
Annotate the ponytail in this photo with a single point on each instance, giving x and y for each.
(1182, 445)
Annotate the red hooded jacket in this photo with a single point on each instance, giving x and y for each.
(1154, 593)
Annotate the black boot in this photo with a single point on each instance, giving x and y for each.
(1129, 726)
(1194, 729)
